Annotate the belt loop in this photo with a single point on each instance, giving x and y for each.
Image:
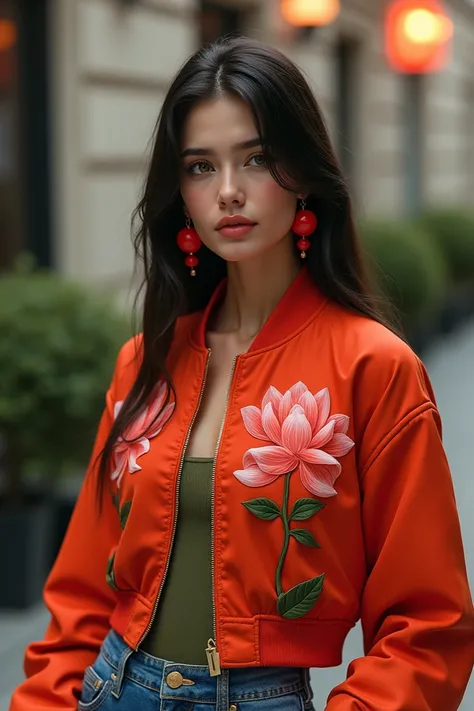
(307, 687)
(223, 691)
(117, 678)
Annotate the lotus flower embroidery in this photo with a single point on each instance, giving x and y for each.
(304, 437)
(136, 440)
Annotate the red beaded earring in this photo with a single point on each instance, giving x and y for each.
(189, 241)
(304, 224)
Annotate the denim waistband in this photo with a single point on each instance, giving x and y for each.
(243, 684)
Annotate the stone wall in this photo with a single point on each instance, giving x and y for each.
(111, 66)
(112, 61)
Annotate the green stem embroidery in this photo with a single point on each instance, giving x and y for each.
(286, 541)
(301, 598)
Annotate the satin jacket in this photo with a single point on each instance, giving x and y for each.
(332, 502)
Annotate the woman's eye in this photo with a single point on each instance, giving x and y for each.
(259, 159)
(199, 167)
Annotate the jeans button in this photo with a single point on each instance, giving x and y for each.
(174, 680)
(233, 707)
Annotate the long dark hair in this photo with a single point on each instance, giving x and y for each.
(300, 158)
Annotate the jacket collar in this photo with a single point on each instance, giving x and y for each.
(301, 302)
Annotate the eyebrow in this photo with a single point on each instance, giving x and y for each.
(208, 151)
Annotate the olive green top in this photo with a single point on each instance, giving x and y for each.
(183, 622)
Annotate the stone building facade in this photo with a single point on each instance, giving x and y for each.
(404, 142)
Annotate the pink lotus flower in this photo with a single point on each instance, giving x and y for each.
(304, 436)
(136, 440)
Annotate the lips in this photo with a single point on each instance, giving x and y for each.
(235, 229)
(234, 221)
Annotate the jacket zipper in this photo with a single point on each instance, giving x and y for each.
(178, 482)
(213, 657)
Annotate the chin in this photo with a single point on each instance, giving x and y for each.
(231, 250)
(240, 253)
(242, 250)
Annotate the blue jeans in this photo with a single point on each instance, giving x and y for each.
(123, 680)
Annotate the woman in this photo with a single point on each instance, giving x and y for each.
(269, 465)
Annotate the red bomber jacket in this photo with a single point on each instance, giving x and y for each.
(332, 501)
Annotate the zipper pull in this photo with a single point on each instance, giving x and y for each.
(213, 658)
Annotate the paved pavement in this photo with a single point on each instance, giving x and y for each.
(16, 631)
(450, 364)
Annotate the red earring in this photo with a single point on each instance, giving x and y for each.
(189, 241)
(304, 224)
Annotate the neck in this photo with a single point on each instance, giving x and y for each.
(254, 287)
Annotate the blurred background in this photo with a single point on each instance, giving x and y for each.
(81, 84)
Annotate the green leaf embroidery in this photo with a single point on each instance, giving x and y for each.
(305, 537)
(305, 508)
(298, 601)
(263, 508)
(110, 576)
(116, 500)
(125, 513)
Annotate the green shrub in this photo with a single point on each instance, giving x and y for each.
(58, 346)
(408, 268)
(453, 231)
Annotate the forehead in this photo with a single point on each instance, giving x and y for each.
(218, 124)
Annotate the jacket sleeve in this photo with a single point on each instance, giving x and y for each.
(416, 613)
(77, 596)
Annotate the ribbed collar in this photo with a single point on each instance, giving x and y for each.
(300, 302)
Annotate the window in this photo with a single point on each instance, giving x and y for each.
(24, 145)
(347, 73)
(10, 229)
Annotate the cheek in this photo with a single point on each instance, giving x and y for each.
(195, 199)
(274, 200)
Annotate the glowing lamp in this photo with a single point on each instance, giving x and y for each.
(8, 35)
(310, 13)
(418, 36)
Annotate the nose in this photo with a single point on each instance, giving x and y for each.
(230, 192)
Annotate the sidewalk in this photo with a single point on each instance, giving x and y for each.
(450, 365)
(17, 629)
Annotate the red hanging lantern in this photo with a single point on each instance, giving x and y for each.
(418, 36)
(310, 13)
